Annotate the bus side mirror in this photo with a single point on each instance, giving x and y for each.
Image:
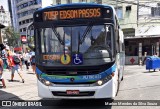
(30, 37)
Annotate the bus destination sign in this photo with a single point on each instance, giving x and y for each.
(72, 14)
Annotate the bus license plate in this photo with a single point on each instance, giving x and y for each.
(72, 92)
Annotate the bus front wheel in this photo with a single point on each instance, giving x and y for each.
(118, 85)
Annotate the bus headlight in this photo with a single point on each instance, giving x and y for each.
(102, 81)
(45, 82)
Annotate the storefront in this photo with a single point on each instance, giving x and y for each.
(149, 45)
(136, 48)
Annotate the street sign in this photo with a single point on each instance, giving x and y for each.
(23, 38)
(77, 59)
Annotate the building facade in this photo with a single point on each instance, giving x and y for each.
(5, 20)
(13, 13)
(22, 12)
(147, 34)
(149, 26)
(1, 27)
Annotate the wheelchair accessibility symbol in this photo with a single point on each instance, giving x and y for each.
(77, 59)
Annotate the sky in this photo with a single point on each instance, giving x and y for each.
(4, 4)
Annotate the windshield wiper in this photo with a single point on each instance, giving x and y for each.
(64, 46)
(78, 41)
(92, 39)
(88, 29)
(58, 36)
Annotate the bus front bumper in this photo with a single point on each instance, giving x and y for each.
(107, 90)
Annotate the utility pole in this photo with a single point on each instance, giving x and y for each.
(137, 12)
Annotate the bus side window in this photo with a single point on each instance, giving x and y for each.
(108, 39)
(117, 35)
(123, 47)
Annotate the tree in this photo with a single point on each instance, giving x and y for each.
(12, 37)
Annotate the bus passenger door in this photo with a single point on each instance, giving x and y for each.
(117, 38)
(122, 53)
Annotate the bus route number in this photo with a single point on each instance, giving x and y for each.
(72, 14)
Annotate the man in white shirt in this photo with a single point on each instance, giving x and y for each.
(27, 59)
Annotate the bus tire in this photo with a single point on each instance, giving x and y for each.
(122, 73)
(122, 78)
(118, 85)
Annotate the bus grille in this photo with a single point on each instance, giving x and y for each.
(73, 72)
(87, 93)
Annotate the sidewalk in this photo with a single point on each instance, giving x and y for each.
(17, 90)
(28, 76)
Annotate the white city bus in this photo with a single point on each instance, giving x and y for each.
(79, 51)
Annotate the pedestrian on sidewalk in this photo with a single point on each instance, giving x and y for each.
(145, 58)
(20, 57)
(1, 73)
(4, 57)
(33, 64)
(27, 59)
(15, 67)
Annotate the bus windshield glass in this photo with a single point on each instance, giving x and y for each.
(91, 44)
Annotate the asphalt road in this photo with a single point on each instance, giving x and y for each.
(138, 84)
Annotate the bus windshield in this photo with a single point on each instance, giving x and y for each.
(94, 43)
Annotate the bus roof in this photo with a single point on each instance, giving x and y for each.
(74, 14)
(74, 5)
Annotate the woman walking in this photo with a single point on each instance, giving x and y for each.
(15, 67)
